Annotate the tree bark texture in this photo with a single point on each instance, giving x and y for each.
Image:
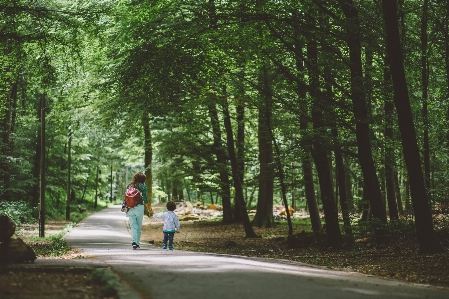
(423, 218)
(240, 109)
(221, 163)
(389, 150)
(264, 214)
(320, 151)
(240, 201)
(425, 97)
(148, 147)
(365, 156)
(306, 158)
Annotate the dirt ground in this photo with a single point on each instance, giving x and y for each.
(399, 260)
(54, 283)
(49, 284)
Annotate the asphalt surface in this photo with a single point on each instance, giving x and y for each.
(159, 274)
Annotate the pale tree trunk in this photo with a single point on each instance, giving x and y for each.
(427, 240)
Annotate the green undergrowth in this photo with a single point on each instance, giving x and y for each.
(107, 282)
(53, 244)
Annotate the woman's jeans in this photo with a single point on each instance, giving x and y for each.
(135, 216)
(168, 237)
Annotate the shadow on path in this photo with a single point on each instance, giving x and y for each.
(159, 274)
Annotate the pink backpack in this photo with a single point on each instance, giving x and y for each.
(132, 196)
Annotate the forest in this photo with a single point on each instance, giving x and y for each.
(339, 107)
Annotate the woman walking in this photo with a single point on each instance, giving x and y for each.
(135, 214)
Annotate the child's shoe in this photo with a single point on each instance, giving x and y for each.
(164, 246)
(135, 246)
(170, 248)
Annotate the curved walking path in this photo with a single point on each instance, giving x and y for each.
(159, 274)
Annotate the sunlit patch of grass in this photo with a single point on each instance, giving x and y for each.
(52, 245)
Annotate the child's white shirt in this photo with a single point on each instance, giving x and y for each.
(171, 221)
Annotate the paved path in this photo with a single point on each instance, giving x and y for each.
(159, 274)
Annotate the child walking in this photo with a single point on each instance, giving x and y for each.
(171, 224)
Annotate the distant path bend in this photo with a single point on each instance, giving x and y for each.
(160, 274)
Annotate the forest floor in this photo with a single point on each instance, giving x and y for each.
(398, 260)
(45, 283)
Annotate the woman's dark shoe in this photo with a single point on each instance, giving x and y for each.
(135, 246)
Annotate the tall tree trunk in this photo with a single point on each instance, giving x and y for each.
(37, 162)
(306, 158)
(240, 109)
(320, 151)
(389, 148)
(221, 161)
(228, 216)
(423, 219)
(235, 172)
(425, 84)
(264, 214)
(398, 193)
(7, 144)
(341, 179)
(148, 147)
(282, 182)
(371, 182)
(348, 182)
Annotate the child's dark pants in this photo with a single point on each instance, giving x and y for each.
(168, 237)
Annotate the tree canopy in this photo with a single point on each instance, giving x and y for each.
(338, 107)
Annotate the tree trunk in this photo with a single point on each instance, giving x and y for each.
(425, 83)
(398, 193)
(306, 158)
(37, 161)
(428, 243)
(240, 147)
(348, 182)
(235, 172)
(282, 181)
(148, 147)
(320, 152)
(222, 167)
(389, 149)
(264, 214)
(371, 182)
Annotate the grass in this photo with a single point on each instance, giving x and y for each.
(53, 245)
(107, 282)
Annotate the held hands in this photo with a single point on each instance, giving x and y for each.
(149, 211)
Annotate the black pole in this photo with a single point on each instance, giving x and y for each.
(96, 190)
(110, 198)
(69, 167)
(42, 172)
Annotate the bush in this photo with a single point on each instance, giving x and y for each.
(19, 211)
